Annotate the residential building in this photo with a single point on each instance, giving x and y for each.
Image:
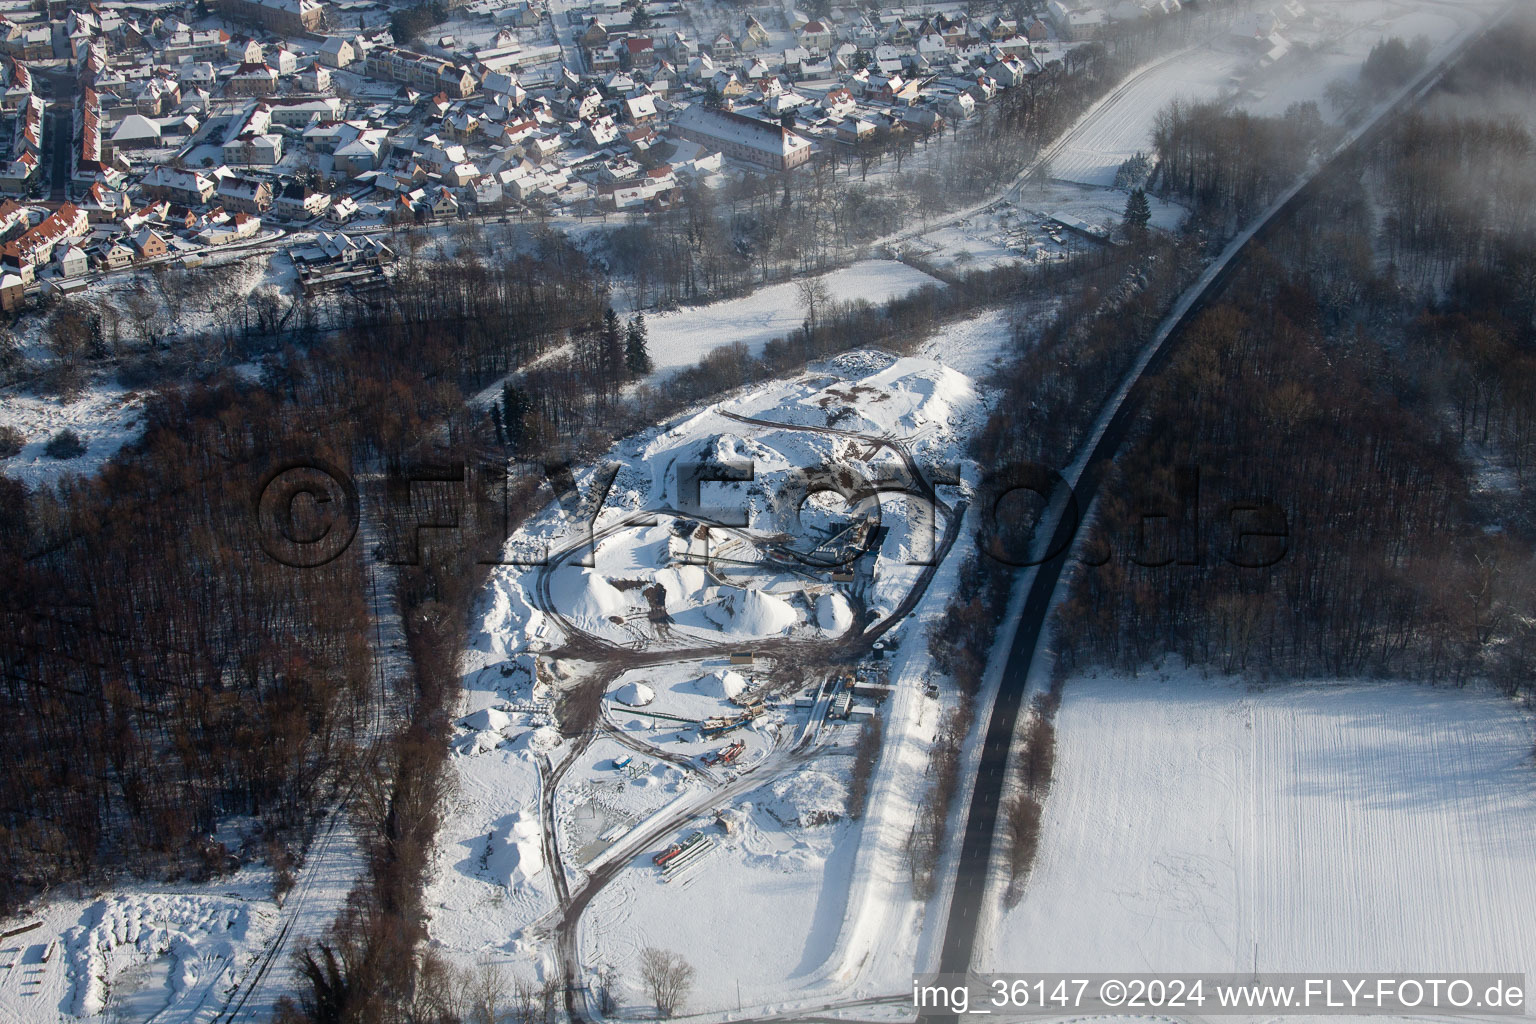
(244, 195)
(243, 50)
(285, 17)
(18, 87)
(362, 153)
(189, 188)
(427, 73)
(72, 260)
(149, 244)
(117, 255)
(240, 226)
(197, 45)
(25, 163)
(299, 202)
(252, 80)
(315, 78)
(744, 138)
(104, 205)
(341, 210)
(35, 247)
(13, 292)
(336, 52)
(301, 113)
(250, 143)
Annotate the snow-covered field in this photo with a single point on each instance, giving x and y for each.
(1328, 43)
(760, 911)
(1122, 125)
(682, 338)
(1206, 826)
(105, 417)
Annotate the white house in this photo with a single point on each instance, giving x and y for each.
(960, 106)
(72, 261)
(315, 78)
(241, 226)
(336, 52)
(342, 210)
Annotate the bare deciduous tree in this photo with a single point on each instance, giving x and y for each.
(486, 995)
(667, 977)
(814, 299)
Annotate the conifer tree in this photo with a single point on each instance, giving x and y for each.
(637, 353)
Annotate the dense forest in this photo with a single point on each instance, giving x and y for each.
(161, 671)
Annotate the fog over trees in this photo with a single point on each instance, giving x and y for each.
(1368, 374)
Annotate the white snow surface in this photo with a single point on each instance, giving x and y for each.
(136, 952)
(682, 338)
(1204, 826)
(1328, 43)
(1115, 130)
(788, 882)
(105, 416)
(758, 914)
(808, 798)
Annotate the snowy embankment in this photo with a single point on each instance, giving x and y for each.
(1204, 826)
(680, 339)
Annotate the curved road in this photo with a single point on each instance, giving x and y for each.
(564, 921)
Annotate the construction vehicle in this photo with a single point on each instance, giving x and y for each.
(725, 755)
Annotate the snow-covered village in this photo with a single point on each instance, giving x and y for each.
(602, 511)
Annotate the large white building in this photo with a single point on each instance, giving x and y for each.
(744, 138)
(285, 17)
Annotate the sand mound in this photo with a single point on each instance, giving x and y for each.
(751, 613)
(726, 684)
(636, 695)
(480, 742)
(808, 798)
(516, 854)
(684, 586)
(486, 720)
(544, 739)
(833, 615)
(586, 598)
